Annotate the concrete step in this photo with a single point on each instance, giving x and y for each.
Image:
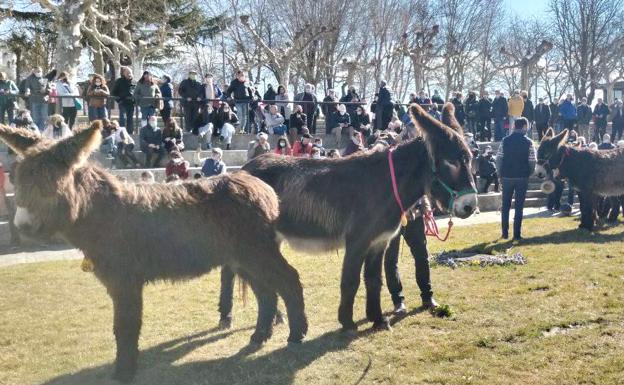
(230, 157)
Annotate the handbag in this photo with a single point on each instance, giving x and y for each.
(78, 104)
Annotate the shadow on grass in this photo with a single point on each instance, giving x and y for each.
(557, 237)
(276, 367)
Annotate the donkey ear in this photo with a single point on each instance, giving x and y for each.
(423, 121)
(448, 118)
(75, 150)
(549, 133)
(19, 139)
(562, 137)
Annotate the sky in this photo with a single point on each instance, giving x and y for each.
(528, 7)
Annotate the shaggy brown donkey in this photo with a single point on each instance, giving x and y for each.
(349, 202)
(592, 173)
(153, 231)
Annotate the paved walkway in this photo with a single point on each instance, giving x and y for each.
(34, 254)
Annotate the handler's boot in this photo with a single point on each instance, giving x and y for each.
(400, 308)
(429, 304)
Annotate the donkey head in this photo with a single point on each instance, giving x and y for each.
(45, 190)
(452, 186)
(550, 152)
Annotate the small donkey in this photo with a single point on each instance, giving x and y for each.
(133, 234)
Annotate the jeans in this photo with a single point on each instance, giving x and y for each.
(513, 187)
(153, 156)
(487, 180)
(126, 117)
(147, 111)
(414, 235)
(483, 128)
(69, 114)
(39, 113)
(242, 112)
(97, 113)
(571, 193)
(616, 132)
(499, 129)
(8, 108)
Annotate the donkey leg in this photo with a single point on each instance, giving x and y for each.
(284, 279)
(587, 211)
(127, 307)
(349, 284)
(225, 299)
(372, 279)
(267, 306)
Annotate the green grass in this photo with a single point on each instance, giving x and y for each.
(557, 320)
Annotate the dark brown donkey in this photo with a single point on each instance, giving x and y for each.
(593, 174)
(333, 203)
(133, 234)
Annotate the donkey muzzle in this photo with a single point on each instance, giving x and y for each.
(465, 205)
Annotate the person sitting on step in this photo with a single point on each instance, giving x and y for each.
(151, 143)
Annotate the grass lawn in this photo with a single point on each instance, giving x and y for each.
(557, 320)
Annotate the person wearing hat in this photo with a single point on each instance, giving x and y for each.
(214, 164)
(261, 146)
(177, 166)
(166, 90)
(144, 94)
(303, 147)
(191, 92)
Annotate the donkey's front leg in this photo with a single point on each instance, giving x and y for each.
(349, 284)
(127, 306)
(372, 279)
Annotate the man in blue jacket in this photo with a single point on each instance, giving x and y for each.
(567, 112)
(515, 162)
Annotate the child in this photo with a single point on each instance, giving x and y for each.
(177, 166)
(213, 165)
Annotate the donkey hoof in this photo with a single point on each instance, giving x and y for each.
(259, 338)
(225, 323)
(384, 324)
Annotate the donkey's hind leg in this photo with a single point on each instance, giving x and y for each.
(225, 299)
(284, 279)
(267, 306)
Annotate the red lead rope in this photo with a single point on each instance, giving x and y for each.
(431, 227)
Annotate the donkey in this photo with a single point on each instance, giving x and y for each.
(133, 234)
(350, 202)
(592, 173)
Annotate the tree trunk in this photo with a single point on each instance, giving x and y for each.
(68, 46)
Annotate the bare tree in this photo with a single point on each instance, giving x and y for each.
(589, 35)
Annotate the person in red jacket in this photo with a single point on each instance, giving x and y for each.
(303, 147)
(177, 166)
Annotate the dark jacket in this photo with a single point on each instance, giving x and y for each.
(460, 114)
(601, 111)
(149, 136)
(329, 109)
(341, 119)
(123, 90)
(500, 108)
(239, 91)
(166, 91)
(528, 111)
(472, 108)
(218, 118)
(437, 99)
(190, 89)
(213, 167)
(554, 113)
(39, 88)
(584, 113)
(542, 114)
(269, 94)
(297, 121)
(485, 108)
(487, 165)
(516, 156)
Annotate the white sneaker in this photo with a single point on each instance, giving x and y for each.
(400, 309)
